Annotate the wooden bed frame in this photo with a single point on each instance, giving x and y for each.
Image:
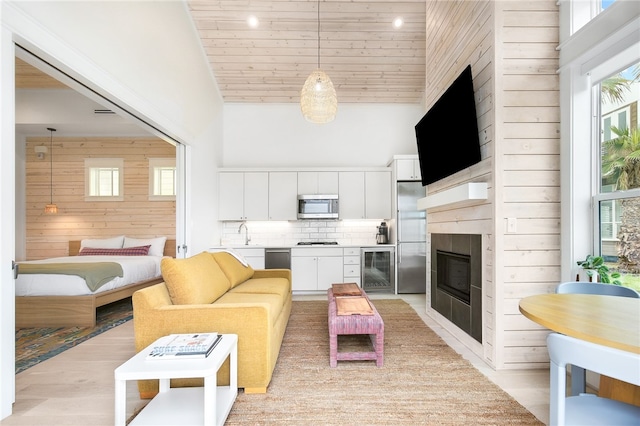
(64, 311)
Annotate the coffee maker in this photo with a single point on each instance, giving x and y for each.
(382, 237)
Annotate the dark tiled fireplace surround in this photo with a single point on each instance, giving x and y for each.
(466, 316)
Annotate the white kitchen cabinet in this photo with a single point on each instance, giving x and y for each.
(408, 169)
(316, 268)
(378, 195)
(365, 195)
(351, 268)
(329, 271)
(351, 195)
(231, 196)
(243, 196)
(310, 183)
(283, 200)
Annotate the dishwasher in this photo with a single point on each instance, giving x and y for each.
(277, 258)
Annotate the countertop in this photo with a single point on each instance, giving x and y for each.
(256, 246)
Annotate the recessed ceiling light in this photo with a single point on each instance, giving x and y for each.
(398, 22)
(252, 21)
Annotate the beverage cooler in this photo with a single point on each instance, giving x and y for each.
(378, 269)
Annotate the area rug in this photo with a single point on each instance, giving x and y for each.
(36, 344)
(423, 381)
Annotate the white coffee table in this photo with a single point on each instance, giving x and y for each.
(208, 405)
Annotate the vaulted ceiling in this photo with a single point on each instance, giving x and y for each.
(366, 57)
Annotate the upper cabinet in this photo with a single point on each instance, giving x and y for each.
(408, 169)
(365, 195)
(283, 197)
(243, 195)
(377, 195)
(310, 183)
(351, 195)
(260, 195)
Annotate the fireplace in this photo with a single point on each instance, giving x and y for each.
(456, 280)
(454, 275)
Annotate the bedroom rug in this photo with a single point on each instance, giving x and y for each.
(423, 381)
(37, 344)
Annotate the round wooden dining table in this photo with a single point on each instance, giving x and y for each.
(605, 320)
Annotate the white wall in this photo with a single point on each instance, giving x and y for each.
(146, 57)
(277, 135)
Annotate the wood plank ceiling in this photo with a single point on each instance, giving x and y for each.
(366, 57)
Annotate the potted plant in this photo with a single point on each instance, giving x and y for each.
(597, 271)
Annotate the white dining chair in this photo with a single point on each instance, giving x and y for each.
(589, 409)
(583, 287)
(578, 374)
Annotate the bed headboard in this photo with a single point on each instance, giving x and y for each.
(169, 248)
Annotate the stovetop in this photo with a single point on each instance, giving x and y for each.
(317, 243)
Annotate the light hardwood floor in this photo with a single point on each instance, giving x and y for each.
(77, 386)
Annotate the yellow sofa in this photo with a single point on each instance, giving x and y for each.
(216, 292)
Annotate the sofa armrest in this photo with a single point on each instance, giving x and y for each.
(272, 273)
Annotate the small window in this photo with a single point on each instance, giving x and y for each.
(162, 178)
(103, 179)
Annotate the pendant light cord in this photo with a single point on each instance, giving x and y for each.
(318, 34)
(51, 130)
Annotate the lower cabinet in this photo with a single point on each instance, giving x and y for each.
(315, 269)
(351, 270)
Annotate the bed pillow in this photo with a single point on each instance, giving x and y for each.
(128, 251)
(157, 244)
(114, 242)
(194, 280)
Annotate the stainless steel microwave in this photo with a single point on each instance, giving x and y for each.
(317, 206)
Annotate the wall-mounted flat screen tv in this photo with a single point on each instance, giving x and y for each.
(447, 135)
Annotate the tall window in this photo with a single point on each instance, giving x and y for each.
(103, 179)
(162, 178)
(617, 201)
(599, 89)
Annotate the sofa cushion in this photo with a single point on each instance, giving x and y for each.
(194, 280)
(279, 286)
(235, 271)
(272, 302)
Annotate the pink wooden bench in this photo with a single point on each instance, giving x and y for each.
(355, 324)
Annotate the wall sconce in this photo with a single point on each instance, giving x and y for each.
(41, 151)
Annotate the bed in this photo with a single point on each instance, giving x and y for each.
(55, 300)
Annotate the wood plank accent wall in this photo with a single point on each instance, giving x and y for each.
(511, 49)
(48, 235)
(528, 158)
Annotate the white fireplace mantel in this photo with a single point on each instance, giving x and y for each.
(467, 192)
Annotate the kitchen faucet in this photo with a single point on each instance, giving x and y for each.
(247, 238)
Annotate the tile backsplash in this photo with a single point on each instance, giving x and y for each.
(283, 234)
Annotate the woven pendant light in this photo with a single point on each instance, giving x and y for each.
(318, 99)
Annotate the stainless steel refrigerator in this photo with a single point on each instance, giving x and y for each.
(411, 239)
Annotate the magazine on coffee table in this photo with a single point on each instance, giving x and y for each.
(346, 289)
(184, 346)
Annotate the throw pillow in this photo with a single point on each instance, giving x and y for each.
(194, 280)
(235, 271)
(129, 251)
(157, 244)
